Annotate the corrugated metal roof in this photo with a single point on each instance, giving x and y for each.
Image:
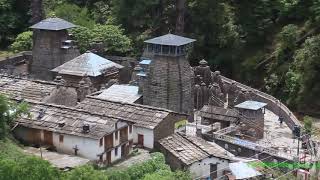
(251, 105)
(53, 24)
(242, 170)
(87, 64)
(170, 40)
(121, 93)
(145, 62)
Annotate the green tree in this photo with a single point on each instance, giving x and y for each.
(27, 168)
(13, 20)
(83, 36)
(308, 122)
(86, 172)
(113, 38)
(10, 111)
(23, 42)
(304, 76)
(73, 13)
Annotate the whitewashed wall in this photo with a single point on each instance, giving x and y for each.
(87, 147)
(202, 168)
(148, 136)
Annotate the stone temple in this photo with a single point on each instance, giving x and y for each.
(169, 78)
(51, 47)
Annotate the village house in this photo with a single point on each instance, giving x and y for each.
(97, 68)
(100, 138)
(213, 114)
(192, 153)
(150, 124)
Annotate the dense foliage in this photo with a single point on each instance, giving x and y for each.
(14, 164)
(255, 42)
(10, 111)
(23, 42)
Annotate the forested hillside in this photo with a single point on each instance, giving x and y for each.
(272, 45)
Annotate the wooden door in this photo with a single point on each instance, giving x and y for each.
(213, 170)
(109, 157)
(108, 141)
(48, 139)
(140, 139)
(34, 136)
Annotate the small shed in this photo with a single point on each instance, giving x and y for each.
(195, 154)
(97, 68)
(252, 114)
(212, 114)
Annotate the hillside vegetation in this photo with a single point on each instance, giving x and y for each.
(271, 45)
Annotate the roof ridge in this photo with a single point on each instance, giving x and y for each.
(74, 109)
(186, 138)
(132, 104)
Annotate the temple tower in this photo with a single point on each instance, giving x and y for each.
(51, 47)
(169, 78)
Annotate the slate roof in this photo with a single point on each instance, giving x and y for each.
(53, 24)
(121, 93)
(251, 105)
(88, 64)
(25, 89)
(74, 120)
(141, 115)
(170, 40)
(219, 113)
(190, 149)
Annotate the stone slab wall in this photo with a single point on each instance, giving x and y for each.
(169, 84)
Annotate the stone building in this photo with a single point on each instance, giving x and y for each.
(88, 65)
(252, 115)
(169, 78)
(51, 47)
(212, 114)
(71, 131)
(192, 153)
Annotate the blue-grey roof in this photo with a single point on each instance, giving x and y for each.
(121, 93)
(170, 40)
(87, 64)
(53, 24)
(242, 170)
(251, 105)
(145, 62)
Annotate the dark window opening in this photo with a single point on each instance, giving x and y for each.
(61, 138)
(116, 151)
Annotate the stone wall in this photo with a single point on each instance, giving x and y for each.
(16, 59)
(274, 104)
(48, 54)
(169, 84)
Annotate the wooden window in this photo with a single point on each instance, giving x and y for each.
(116, 135)
(61, 138)
(116, 151)
(130, 129)
(101, 142)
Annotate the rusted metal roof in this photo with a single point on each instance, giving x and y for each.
(50, 117)
(141, 115)
(88, 64)
(190, 149)
(53, 24)
(170, 40)
(219, 113)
